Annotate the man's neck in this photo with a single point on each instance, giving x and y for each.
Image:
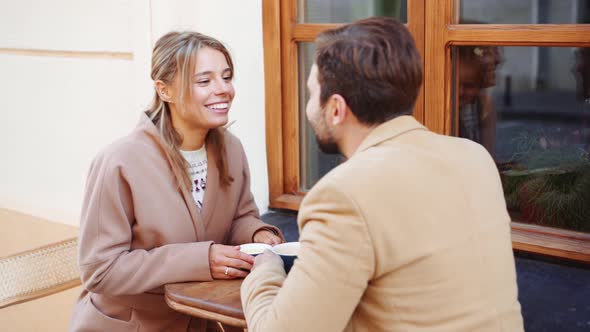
(352, 139)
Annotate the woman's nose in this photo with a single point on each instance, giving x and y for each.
(223, 87)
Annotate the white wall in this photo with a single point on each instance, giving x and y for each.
(58, 111)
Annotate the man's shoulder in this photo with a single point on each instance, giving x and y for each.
(387, 162)
(351, 176)
(370, 163)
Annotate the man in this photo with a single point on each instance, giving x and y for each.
(411, 233)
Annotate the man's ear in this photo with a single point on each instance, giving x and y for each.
(337, 109)
(163, 91)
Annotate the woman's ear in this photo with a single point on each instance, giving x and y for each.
(163, 91)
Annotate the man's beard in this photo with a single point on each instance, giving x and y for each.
(327, 145)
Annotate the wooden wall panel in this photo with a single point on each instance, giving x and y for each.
(271, 21)
(290, 104)
(437, 69)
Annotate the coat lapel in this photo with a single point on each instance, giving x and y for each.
(197, 220)
(211, 190)
(146, 126)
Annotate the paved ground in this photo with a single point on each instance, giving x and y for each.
(555, 297)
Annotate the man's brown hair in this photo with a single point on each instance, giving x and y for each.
(372, 63)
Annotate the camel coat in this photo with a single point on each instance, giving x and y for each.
(410, 234)
(139, 231)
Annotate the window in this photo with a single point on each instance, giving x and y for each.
(527, 101)
(344, 11)
(539, 106)
(529, 108)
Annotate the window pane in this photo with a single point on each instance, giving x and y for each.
(525, 11)
(530, 107)
(346, 11)
(314, 163)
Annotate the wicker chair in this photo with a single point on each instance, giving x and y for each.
(38, 272)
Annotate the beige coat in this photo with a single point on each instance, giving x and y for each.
(138, 232)
(410, 234)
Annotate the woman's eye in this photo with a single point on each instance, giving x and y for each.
(203, 81)
(228, 78)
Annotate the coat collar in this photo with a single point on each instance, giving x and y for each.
(390, 130)
(199, 220)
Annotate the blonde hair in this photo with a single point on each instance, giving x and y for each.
(174, 54)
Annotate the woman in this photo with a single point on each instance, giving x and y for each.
(160, 201)
(477, 67)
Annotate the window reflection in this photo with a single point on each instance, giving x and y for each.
(525, 11)
(530, 107)
(582, 73)
(347, 11)
(477, 72)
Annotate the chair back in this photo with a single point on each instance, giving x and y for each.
(39, 272)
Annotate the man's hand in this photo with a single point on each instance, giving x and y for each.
(266, 236)
(267, 257)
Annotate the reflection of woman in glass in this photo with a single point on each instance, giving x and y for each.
(582, 73)
(477, 116)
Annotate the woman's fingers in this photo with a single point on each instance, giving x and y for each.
(235, 253)
(238, 263)
(227, 262)
(275, 240)
(220, 252)
(268, 237)
(241, 256)
(236, 273)
(228, 272)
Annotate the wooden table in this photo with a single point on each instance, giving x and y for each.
(217, 300)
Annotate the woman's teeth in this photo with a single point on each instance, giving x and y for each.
(218, 106)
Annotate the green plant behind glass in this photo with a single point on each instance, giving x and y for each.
(550, 181)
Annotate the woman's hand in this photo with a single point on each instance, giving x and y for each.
(228, 262)
(266, 236)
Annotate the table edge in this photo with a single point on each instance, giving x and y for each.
(171, 295)
(205, 314)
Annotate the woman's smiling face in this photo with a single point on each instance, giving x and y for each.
(211, 91)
